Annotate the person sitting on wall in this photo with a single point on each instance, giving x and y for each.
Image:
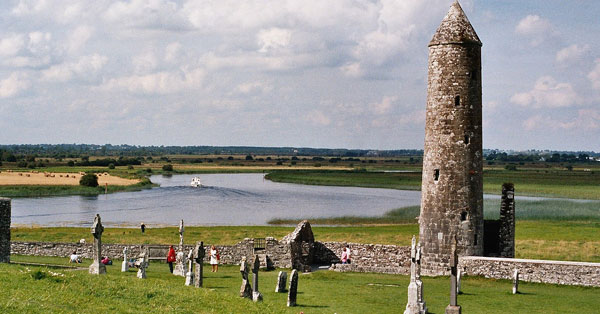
(344, 256)
(106, 261)
(347, 250)
(74, 258)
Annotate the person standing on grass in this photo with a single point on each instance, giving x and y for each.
(143, 227)
(214, 258)
(171, 258)
(347, 250)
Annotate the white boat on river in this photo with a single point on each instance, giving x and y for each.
(196, 182)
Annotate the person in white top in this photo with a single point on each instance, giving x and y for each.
(75, 258)
(347, 254)
(214, 258)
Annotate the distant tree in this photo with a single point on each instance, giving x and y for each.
(570, 167)
(249, 157)
(111, 166)
(230, 158)
(130, 167)
(511, 167)
(279, 163)
(71, 163)
(89, 179)
(167, 167)
(149, 170)
(22, 164)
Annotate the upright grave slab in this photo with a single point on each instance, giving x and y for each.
(125, 264)
(143, 264)
(189, 276)
(256, 295)
(97, 268)
(5, 218)
(245, 289)
(293, 291)
(199, 252)
(281, 280)
(180, 257)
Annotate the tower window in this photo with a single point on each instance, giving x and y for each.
(436, 174)
(463, 216)
(467, 140)
(457, 101)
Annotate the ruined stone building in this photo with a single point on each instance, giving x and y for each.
(452, 187)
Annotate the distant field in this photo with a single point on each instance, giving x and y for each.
(533, 182)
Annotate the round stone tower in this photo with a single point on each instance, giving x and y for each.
(452, 185)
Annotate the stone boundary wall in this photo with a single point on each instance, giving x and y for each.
(543, 271)
(376, 258)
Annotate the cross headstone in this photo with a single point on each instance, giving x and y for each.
(143, 264)
(458, 279)
(256, 295)
(97, 229)
(181, 229)
(453, 307)
(415, 304)
(200, 252)
(281, 280)
(189, 276)
(180, 261)
(293, 291)
(125, 264)
(515, 288)
(245, 289)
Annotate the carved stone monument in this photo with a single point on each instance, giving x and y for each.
(125, 264)
(97, 229)
(415, 304)
(180, 260)
(143, 264)
(515, 289)
(458, 279)
(256, 295)
(453, 307)
(293, 291)
(245, 289)
(281, 280)
(199, 252)
(189, 276)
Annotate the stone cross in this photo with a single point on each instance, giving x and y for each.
(458, 279)
(245, 289)
(515, 289)
(179, 264)
(256, 295)
(453, 307)
(281, 280)
(181, 229)
(200, 252)
(143, 264)
(97, 229)
(293, 291)
(125, 264)
(189, 276)
(415, 304)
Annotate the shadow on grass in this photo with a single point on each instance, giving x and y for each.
(312, 306)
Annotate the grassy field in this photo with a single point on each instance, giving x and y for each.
(528, 182)
(61, 190)
(29, 289)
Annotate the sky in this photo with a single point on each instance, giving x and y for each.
(302, 73)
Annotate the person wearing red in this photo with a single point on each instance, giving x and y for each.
(171, 258)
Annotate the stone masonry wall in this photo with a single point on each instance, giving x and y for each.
(376, 258)
(5, 212)
(552, 272)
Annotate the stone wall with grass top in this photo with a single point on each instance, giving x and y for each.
(542, 271)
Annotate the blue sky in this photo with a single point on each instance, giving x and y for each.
(346, 73)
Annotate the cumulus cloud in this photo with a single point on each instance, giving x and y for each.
(11, 45)
(145, 63)
(547, 92)
(586, 119)
(150, 14)
(594, 75)
(534, 27)
(273, 39)
(78, 38)
(158, 83)
(317, 117)
(84, 66)
(13, 85)
(384, 105)
(254, 87)
(571, 53)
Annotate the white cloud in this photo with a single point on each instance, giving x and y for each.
(586, 119)
(174, 52)
(84, 66)
(11, 45)
(571, 53)
(145, 63)
(158, 83)
(13, 85)
(535, 27)
(78, 38)
(547, 92)
(150, 14)
(594, 75)
(26, 7)
(254, 87)
(384, 105)
(273, 39)
(317, 117)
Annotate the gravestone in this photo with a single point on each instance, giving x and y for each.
(180, 257)
(189, 276)
(256, 295)
(458, 279)
(281, 280)
(97, 268)
(293, 291)
(515, 289)
(415, 304)
(245, 289)
(5, 219)
(453, 307)
(125, 264)
(143, 264)
(200, 252)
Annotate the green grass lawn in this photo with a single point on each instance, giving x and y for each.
(30, 289)
(530, 182)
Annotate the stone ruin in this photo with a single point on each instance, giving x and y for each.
(301, 244)
(499, 235)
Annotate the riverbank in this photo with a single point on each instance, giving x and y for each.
(16, 191)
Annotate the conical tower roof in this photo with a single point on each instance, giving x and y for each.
(455, 29)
